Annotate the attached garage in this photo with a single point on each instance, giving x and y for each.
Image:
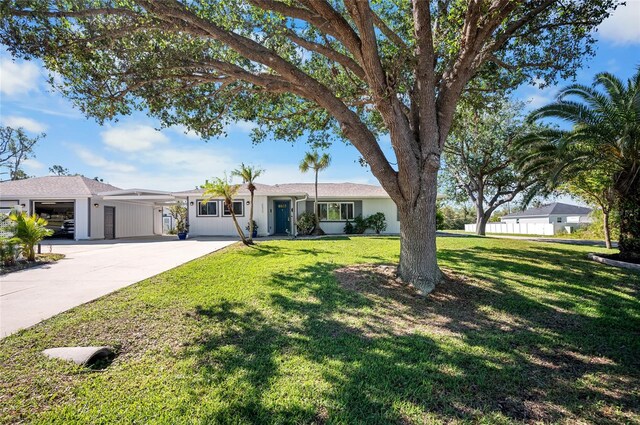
(60, 216)
(82, 208)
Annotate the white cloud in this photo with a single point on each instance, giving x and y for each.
(17, 78)
(27, 123)
(101, 163)
(540, 97)
(242, 126)
(623, 26)
(133, 138)
(33, 165)
(184, 131)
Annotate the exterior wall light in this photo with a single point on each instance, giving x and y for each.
(248, 202)
(96, 205)
(191, 203)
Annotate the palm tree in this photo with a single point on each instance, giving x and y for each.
(29, 230)
(316, 162)
(249, 174)
(221, 188)
(605, 135)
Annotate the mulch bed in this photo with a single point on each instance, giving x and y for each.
(41, 259)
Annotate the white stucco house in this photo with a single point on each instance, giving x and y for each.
(548, 219)
(277, 207)
(82, 208)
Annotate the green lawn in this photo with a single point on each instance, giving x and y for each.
(521, 332)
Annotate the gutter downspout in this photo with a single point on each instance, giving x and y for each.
(295, 214)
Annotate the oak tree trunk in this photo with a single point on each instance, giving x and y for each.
(418, 262)
(481, 220)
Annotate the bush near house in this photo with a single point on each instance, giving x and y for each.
(306, 223)
(377, 222)
(360, 225)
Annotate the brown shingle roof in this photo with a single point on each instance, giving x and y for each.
(325, 190)
(54, 186)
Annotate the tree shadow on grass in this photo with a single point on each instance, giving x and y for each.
(481, 347)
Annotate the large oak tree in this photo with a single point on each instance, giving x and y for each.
(321, 69)
(480, 158)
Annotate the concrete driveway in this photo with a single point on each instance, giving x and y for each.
(90, 270)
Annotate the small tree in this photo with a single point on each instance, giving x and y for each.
(15, 148)
(594, 188)
(179, 214)
(29, 230)
(220, 187)
(316, 162)
(249, 174)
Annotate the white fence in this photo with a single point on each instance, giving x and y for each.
(525, 228)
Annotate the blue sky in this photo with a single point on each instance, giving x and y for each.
(132, 153)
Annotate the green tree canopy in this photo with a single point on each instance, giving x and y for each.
(480, 158)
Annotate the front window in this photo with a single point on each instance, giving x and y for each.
(335, 211)
(238, 209)
(207, 209)
(559, 219)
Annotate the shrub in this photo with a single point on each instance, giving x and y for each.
(8, 251)
(439, 219)
(255, 226)
(29, 231)
(360, 225)
(306, 223)
(348, 228)
(377, 222)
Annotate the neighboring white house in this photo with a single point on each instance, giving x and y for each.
(546, 220)
(82, 208)
(277, 207)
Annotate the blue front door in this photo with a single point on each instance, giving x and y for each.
(282, 216)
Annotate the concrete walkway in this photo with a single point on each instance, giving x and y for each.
(90, 270)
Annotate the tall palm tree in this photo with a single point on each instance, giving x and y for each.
(316, 162)
(249, 174)
(221, 188)
(605, 135)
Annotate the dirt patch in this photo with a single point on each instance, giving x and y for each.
(401, 309)
(474, 312)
